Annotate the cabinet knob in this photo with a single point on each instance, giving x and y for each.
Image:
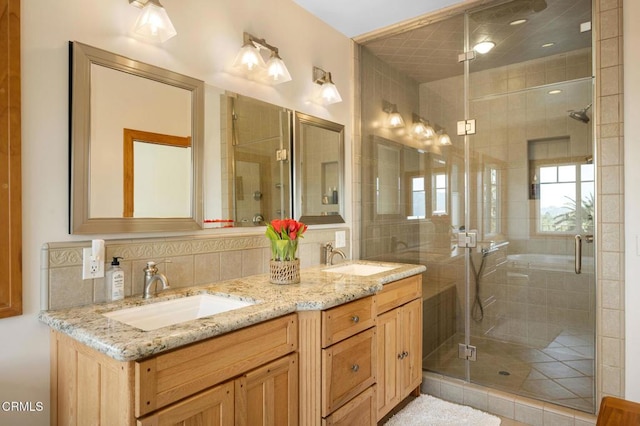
(355, 319)
(355, 368)
(403, 355)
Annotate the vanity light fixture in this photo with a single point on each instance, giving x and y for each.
(394, 119)
(327, 93)
(153, 23)
(421, 129)
(484, 47)
(249, 61)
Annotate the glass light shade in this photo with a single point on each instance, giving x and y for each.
(395, 120)
(329, 94)
(422, 130)
(444, 139)
(249, 59)
(276, 71)
(154, 24)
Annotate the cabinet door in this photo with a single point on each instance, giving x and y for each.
(388, 360)
(213, 407)
(268, 395)
(411, 347)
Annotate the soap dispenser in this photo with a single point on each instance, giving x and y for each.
(115, 281)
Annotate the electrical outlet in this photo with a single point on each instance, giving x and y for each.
(91, 267)
(340, 239)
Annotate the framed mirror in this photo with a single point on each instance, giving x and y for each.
(319, 170)
(120, 179)
(258, 161)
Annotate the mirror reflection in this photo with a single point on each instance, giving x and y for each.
(319, 169)
(256, 169)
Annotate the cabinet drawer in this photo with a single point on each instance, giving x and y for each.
(346, 320)
(348, 368)
(359, 411)
(171, 376)
(398, 293)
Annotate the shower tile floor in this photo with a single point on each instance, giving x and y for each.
(561, 373)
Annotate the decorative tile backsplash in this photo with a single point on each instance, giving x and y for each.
(186, 261)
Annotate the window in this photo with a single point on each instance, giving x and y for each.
(492, 201)
(418, 201)
(566, 203)
(439, 194)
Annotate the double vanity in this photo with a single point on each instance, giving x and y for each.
(343, 344)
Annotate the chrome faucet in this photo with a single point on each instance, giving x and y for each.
(330, 252)
(152, 276)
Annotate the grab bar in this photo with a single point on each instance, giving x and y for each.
(578, 251)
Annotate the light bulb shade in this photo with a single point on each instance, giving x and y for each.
(249, 59)
(154, 24)
(422, 130)
(395, 120)
(276, 71)
(328, 94)
(418, 130)
(429, 133)
(444, 139)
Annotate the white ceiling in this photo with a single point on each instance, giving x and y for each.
(357, 17)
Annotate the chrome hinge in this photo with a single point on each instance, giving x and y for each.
(467, 127)
(467, 352)
(281, 155)
(468, 239)
(466, 56)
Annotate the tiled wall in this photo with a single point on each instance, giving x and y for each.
(190, 260)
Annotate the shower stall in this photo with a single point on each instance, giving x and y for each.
(488, 180)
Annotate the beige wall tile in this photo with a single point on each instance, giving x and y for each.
(206, 268)
(67, 288)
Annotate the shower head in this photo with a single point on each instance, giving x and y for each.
(580, 115)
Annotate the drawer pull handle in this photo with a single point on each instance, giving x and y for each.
(355, 319)
(355, 368)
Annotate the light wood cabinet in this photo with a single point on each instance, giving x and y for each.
(189, 385)
(360, 411)
(269, 395)
(338, 364)
(213, 407)
(399, 347)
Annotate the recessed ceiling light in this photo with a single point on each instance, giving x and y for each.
(484, 47)
(554, 92)
(548, 44)
(518, 22)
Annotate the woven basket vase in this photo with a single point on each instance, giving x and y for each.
(284, 271)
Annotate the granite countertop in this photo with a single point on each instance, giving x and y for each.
(317, 290)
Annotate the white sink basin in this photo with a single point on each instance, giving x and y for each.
(174, 311)
(359, 269)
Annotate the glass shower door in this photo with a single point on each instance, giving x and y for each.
(531, 191)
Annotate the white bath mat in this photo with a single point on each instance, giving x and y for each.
(427, 410)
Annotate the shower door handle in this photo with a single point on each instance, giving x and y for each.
(578, 254)
(578, 251)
